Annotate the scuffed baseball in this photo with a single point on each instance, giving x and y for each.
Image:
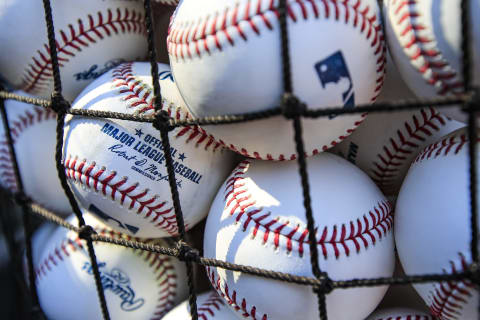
(116, 168)
(210, 306)
(432, 225)
(137, 284)
(399, 314)
(33, 130)
(258, 219)
(424, 38)
(226, 59)
(92, 37)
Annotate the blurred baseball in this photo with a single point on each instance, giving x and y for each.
(92, 37)
(226, 59)
(137, 284)
(33, 133)
(424, 38)
(258, 219)
(116, 168)
(210, 306)
(432, 225)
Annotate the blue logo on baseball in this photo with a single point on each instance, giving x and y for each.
(334, 70)
(118, 283)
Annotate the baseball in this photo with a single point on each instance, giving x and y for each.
(258, 219)
(399, 314)
(210, 306)
(33, 133)
(92, 37)
(424, 38)
(137, 284)
(386, 157)
(117, 169)
(386, 143)
(432, 225)
(226, 59)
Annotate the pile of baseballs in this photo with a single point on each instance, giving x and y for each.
(384, 187)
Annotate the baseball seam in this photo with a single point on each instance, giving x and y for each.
(39, 73)
(447, 298)
(282, 157)
(159, 264)
(210, 306)
(139, 96)
(444, 147)
(17, 126)
(142, 202)
(186, 36)
(420, 46)
(363, 231)
(231, 297)
(406, 140)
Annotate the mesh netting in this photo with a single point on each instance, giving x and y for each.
(293, 110)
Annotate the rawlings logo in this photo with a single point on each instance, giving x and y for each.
(94, 72)
(333, 70)
(118, 283)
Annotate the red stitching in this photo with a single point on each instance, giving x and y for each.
(138, 95)
(282, 157)
(17, 126)
(39, 73)
(454, 143)
(208, 308)
(160, 264)
(447, 298)
(183, 35)
(405, 142)
(372, 226)
(435, 70)
(149, 206)
(231, 297)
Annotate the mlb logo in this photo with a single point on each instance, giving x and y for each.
(105, 217)
(334, 70)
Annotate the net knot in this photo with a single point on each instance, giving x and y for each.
(325, 286)
(85, 232)
(185, 252)
(292, 107)
(59, 104)
(474, 273)
(22, 199)
(473, 104)
(162, 121)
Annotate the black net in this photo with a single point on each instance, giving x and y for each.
(292, 109)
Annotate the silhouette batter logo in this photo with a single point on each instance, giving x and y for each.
(333, 70)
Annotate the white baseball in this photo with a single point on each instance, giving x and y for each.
(432, 225)
(210, 306)
(117, 168)
(92, 36)
(137, 284)
(386, 143)
(226, 59)
(258, 219)
(424, 38)
(399, 314)
(33, 133)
